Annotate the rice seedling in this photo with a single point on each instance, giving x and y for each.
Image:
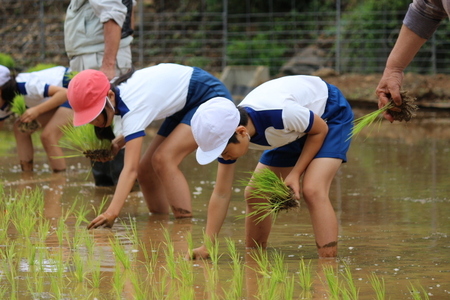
(190, 243)
(407, 107)
(261, 257)
(169, 252)
(81, 214)
(118, 283)
(352, 292)
(276, 196)
(213, 249)
(84, 142)
(140, 286)
(120, 253)
(332, 281)
(132, 232)
(19, 107)
(78, 271)
(416, 293)
(305, 275)
(186, 272)
(95, 272)
(279, 271)
(378, 286)
(99, 208)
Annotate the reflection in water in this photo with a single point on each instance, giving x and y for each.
(391, 200)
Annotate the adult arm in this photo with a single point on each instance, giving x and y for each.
(313, 143)
(217, 207)
(112, 35)
(124, 185)
(406, 47)
(58, 95)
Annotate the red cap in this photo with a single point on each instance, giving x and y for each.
(87, 93)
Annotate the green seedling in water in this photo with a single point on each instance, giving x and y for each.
(305, 275)
(416, 293)
(332, 282)
(378, 286)
(266, 185)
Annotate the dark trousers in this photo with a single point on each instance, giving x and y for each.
(107, 173)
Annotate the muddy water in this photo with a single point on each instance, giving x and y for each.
(391, 199)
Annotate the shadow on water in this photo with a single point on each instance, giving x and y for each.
(391, 199)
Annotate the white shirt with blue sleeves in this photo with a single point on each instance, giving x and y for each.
(283, 109)
(152, 93)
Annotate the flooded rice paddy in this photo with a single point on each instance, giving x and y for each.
(391, 199)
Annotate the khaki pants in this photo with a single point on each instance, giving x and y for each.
(94, 61)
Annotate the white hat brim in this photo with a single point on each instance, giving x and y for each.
(206, 157)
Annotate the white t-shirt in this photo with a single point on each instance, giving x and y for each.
(152, 93)
(34, 87)
(283, 109)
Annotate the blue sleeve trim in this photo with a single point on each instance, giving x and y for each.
(46, 88)
(4, 118)
(21, 88)
(311, 121)
(134, 135)
(225, 162)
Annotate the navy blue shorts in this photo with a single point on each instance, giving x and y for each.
(339, 117)
(202, 87)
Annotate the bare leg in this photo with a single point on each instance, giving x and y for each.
(151, 186)
(25, 148)
(257, 233)
(316, 187)
(51, 135)
(166, 160)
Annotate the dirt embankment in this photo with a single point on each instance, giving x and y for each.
(431, 91)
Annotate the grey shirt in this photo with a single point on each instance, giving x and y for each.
(423, 16)
(83, 27)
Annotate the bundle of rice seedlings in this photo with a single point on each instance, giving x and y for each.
(19, 107)
(267, 185)
(408, 109)
(83, 140)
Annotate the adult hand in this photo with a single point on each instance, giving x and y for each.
(198, 253)
(29, 115)
(105, 220)
(110, 71)
(389, 87)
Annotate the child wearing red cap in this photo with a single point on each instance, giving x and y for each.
(303, 124)
(166, 91)
(45, 97)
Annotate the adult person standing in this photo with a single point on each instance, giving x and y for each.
(419, 24)
(98, 35)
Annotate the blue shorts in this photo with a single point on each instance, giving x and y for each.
(202, 87)
(339, 117)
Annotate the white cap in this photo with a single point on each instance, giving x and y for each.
(5, 75)
(213, 124)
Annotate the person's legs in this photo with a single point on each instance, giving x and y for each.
(316, 187)
(151, 186)
(165, 163)
(25, 148)
(257, 233)
(51, 134)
